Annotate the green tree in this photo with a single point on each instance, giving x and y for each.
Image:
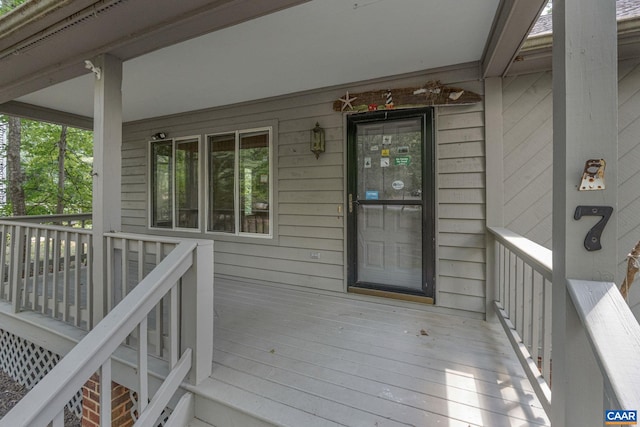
(56, 164)
(15, 177)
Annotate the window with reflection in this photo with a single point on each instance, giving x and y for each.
(175, 183)
(239, 182)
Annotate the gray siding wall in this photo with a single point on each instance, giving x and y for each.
(461, 206)
(528, 134)
(310, 195)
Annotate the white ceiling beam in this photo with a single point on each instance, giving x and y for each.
(510, 29)
(43, 114)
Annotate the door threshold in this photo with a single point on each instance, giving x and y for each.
(391, 295)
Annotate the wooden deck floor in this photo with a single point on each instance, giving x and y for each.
(300, 358)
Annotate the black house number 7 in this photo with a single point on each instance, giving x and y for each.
(592, 241)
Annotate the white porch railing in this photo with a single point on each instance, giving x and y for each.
(613, 334)
(523, 271)
(129, 259)
(184, 277)
(47, 269)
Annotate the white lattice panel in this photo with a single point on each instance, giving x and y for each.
(28, 363)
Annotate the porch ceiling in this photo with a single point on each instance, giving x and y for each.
(310, 45)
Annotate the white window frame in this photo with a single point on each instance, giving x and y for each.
(236, 183)
(174, 143)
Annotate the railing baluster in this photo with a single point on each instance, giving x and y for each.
(528, 303)
(507, 283)
(26, 270)
(110, 282)
(143, 377)
(56, 270)
(35, 283)
(516, 315)
(174, 342)
(89, 280)
(159, 311)
(546, 330)
(536, 311)
(105, 393)
(17, 265)
(45, 273)
(65, 277)
(125, 267)
(141, 254)
(76, 278)
(512, 286)
(3, 262)
(505, 277)
(501, 274)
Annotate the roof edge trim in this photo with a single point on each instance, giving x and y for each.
(27, 13)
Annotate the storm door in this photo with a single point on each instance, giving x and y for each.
(390, 201)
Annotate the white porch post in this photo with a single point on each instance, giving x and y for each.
(495, 181)
(107, 131)
(584, 127)
(197, 312)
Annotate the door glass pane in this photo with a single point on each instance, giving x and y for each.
(222, 153)
(390, 160)
(161, 189)
(187, 183)
(390, 245)
(254, 182)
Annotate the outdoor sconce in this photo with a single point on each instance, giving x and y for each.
(159, 135)
(317, 140)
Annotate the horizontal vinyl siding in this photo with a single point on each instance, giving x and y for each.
(461, 271)
(528, 134)
(309, 193)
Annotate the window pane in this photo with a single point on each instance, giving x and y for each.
(254, 182)
(161, 177)
(222, 152)
(187, 184)
(390, 160)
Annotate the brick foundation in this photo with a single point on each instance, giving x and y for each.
(121, 404)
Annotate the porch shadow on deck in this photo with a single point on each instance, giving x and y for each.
(302, 358)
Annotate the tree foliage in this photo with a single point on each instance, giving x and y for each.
(40, 148)
(15, 176)
(55, 164)
(8, 5)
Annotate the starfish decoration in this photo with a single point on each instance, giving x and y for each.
(346, 101)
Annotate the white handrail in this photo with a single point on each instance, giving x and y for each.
(537, 256)
(49, 218)
(42, 404)
(614, 335)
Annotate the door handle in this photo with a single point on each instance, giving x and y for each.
(350, 203)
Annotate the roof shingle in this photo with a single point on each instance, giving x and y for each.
(625, 9)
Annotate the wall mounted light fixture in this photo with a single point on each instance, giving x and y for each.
(159, 135)
(317, 140)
